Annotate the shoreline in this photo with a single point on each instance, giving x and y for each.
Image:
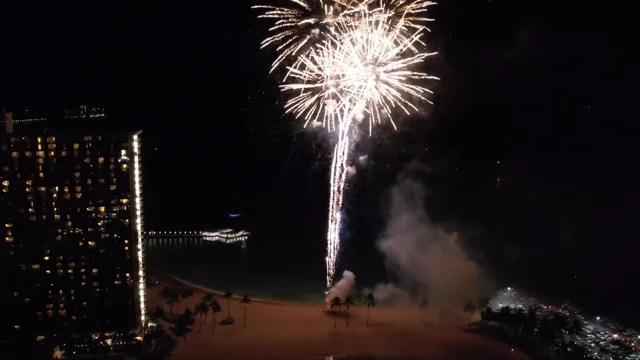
(204, 289)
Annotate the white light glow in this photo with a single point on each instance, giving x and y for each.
(137, 182)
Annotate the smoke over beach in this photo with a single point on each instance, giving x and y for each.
(426, 260)
(343, 287)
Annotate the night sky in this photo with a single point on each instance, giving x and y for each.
(541, 89)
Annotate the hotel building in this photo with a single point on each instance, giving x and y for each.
(71, 224)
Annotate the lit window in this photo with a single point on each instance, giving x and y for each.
(91, 244)
(78, 188)
(100, 160)
(87, 160)
(51, 146)
(117, 282)
(123, 152)
(52, 153)
(78, 195)
(45, 258)
(101, 209)
(32, 218)
(60, 272)
(76, 146)
(39, 139)
(35, 266)
(50, 139)
(9, 239)
(94, 271)
(6, 182)
(40, 154)
(87, 138)
(15, 154)
(63, 153)
(112, 187)
(88, 181)
(42, 188)
(28, 154)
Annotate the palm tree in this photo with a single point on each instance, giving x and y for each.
(246, 299)
(347, 303)
(207, 297)
(483, 303)
(370, 301)
(181, 327)
(215, 308)
(202, 308)
(172, 301)
(166, 293)
(335, 304)
(158, 343)
(227, 295)
(423, 305)
(469, 307)
(156, 314)
(186, 293)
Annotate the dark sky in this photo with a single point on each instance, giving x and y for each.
(542, 88)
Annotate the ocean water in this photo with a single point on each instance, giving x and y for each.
(228, 266)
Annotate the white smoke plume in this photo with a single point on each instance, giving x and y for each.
(426, 259)
(343, 287)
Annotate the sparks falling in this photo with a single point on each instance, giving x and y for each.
(359, 66)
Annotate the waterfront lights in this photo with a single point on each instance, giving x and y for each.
(137, 183)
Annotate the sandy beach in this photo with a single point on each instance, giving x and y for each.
(302, 331)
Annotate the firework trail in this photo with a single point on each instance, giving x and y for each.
(359, 67)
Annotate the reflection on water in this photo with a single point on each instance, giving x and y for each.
(221, 266)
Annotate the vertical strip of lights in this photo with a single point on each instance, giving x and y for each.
(137, 183)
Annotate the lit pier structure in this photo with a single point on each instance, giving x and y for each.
(188, 238)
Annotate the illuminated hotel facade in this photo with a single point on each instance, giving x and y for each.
(70, 238)
(227, 236)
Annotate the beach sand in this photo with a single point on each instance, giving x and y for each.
(303, 331)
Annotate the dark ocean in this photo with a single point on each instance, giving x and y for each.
(221, 266)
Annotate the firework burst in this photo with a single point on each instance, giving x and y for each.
(300, 24)
(352, 60)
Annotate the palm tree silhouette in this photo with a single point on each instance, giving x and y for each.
(201, 308)
(335, 305)
(370, 301)
(469, 307)
(215, 308)
(181, 326)
(423, 305)
(483, 303)
(186, 293)
(167, 293)
(227, 295)
(246, 299)
(172, 300)
(347, 303)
